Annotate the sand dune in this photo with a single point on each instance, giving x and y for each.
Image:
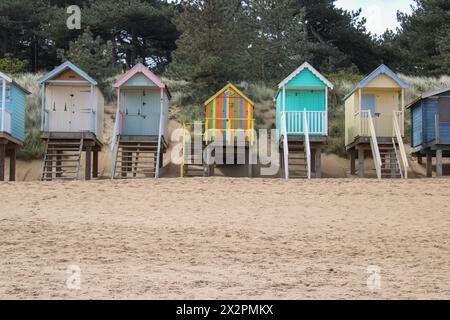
(225, 238)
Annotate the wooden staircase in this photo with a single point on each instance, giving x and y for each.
(135, 159)
(390, 168)
(298, 166)
(193, 165)
(62, 160)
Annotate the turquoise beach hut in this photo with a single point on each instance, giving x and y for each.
(12, 122)
(302, 121)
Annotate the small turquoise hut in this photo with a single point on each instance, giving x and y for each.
(141, 127)
(302, 121)
(430, 128)
(12, 122)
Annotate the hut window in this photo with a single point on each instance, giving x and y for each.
(444, 109)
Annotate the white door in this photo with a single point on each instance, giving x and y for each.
(82, 110)
(59, 109)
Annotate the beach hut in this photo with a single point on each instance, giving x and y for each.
(302, 121)
(374, 124)
(229, 124)
(12, 123)
(140, 131)
(72, 122)
(430, 128)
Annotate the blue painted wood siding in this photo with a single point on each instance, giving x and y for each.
(16, 106)
(424, 124)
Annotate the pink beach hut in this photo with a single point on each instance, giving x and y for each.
(140, 131)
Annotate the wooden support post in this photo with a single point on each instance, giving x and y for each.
(95, 164)
(361, 171)
(88, 163)
(353, 162)
(318, 163)
(58, 163)
(439, 171)
(313, 161)
(2, 161)
(161, 160)
(429, 165)
(249, 165)
(12, 164)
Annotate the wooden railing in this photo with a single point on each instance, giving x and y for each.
(317, 122)
(229, 133)
(307, 145)
(373, 142)
(398, 134)
(382, 123)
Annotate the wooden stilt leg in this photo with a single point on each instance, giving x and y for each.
(2, 161)
(361, 171)
(95, 164)
(313, 161)
(88, 163)
(353, 162)
(249, 165)
(161, 160)
(439, 171)
(318, 162)
(429, 165)
(12, 165)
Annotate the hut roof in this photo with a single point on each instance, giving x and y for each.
(383, 69)
(305, 65)
(67, 65)
(427, 94)
(139, 68)
(8, 79)
(229, 86)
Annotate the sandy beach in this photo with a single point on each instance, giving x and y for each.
(224, 238)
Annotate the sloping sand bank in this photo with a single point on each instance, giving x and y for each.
(226, 238)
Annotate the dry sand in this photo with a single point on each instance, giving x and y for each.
(225, 238)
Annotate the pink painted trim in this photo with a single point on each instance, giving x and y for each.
(137, 69)
(120, 122)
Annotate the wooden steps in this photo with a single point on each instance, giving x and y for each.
(135, 159)
(62, 160)
(193, 162)
(298, 165)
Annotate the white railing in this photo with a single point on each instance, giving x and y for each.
(285, 145)
(7, 122)
(307, 145)
(317, 122)
(373, 142)
(401, 146)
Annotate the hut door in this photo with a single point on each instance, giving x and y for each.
(81, 112)
(58, 108)
(132, 120)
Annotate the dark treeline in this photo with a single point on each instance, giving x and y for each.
(208, 42)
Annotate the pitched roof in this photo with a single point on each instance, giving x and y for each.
(380, 70)
(229, 86)
(67, 65)
(139, 68)
(8, 79)
(428, 94)
(305, 65)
